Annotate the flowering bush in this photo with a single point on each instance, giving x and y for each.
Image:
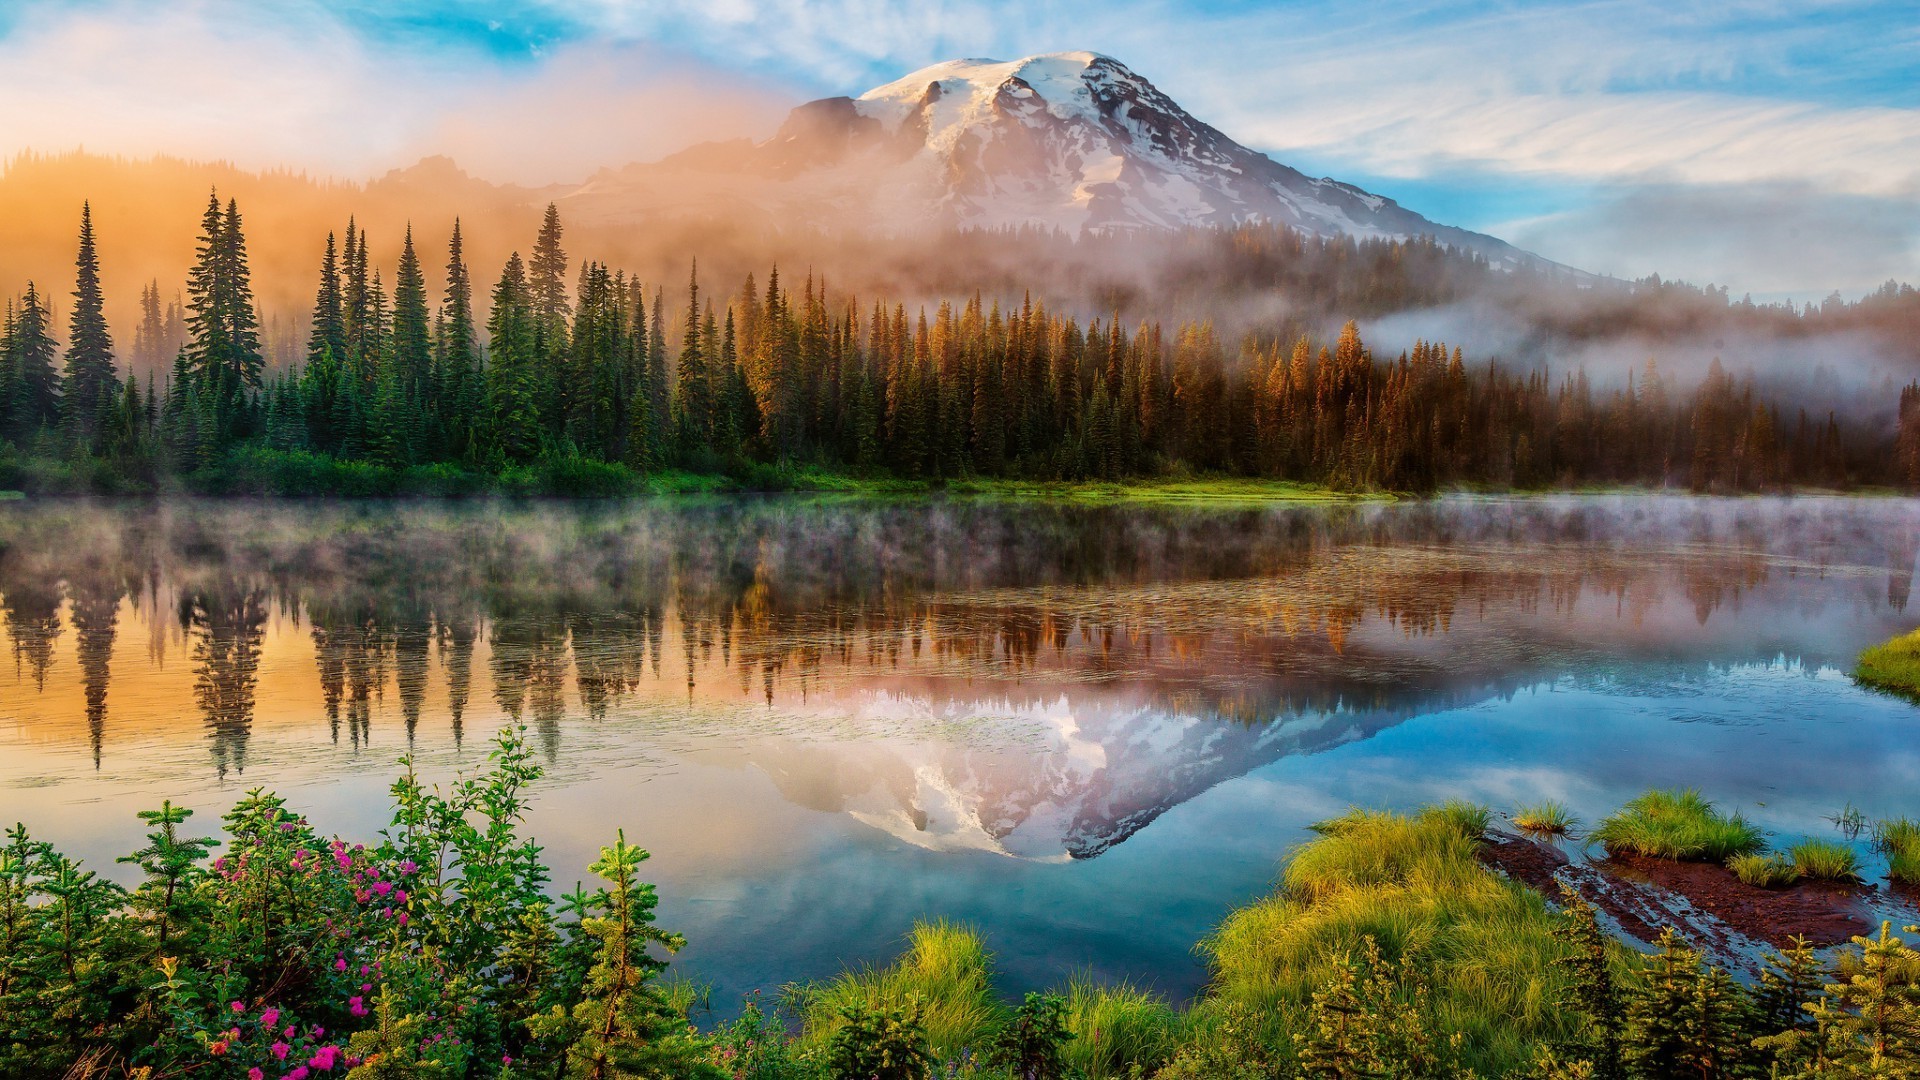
(280, 954)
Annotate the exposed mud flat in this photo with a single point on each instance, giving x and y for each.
(1735, 924)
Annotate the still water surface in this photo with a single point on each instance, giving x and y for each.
(1090, 731)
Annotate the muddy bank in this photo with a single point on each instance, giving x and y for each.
(1735, 923)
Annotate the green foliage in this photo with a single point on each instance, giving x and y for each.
(1118, 1028)
(1678, 825)
(945, 979)
(1764, 871)
(1029, 1044)
(879, 1044)
(1482, 952)
(1892, 666)
(1547, 818)
(575, 394)
(1687, 1019)
(1899, 840)
(437, 953)
(1825, 860)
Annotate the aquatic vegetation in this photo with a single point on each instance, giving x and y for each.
(1892, 666)
(1851, 821)
(1764, 871)
(1678, 825)
(1548, 818)
(1899, 840)
(1824, 860)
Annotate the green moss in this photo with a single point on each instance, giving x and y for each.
(1892, 667)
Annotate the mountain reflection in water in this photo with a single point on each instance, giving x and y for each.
(1042, 681)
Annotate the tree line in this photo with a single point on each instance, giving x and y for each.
(595, 365)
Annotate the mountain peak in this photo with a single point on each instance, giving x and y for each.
(1069, 140)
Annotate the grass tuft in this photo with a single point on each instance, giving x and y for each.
(1892, 667)
(1678, 825)
(1899, 840)
(946, 971)
(1468, 819)
(1548, 818)
(1825, 860)
(1485, 946)
(1764, 871)
(1118, 1027)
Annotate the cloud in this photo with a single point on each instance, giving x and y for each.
(1772, 239)
(299, 88)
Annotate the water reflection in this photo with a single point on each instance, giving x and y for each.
(1040, 681)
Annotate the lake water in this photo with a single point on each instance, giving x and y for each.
(1089, 731)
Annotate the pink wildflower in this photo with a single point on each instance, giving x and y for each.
(255, 1074)
(237, 1007)
(323, 1058)
(269, 1017)
(280, 1050)
(340, 964)
(356, 1006)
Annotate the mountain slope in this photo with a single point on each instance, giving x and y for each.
(1065, 140)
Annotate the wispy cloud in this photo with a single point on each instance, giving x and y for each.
(1821, 98)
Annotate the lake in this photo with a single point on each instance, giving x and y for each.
(1089, 730)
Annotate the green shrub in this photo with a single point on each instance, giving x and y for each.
(1825, 860)
(1764, 871)
(1029, 1046)
(1547, 818)
(878, 1044)
(1678, 825)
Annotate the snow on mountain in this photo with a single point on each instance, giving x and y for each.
(1071, 140)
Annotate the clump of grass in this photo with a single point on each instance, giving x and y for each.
(1764, 871)
(1893, 667)
(1485, 947)
(1899, 840)
(1548, 818)
(946, 971)
(1825, 860)
(1678, 825)
(1118, 1027)
(1468, 819)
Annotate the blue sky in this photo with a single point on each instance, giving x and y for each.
(1774, 147)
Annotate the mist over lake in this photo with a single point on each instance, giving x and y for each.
(1090, 731)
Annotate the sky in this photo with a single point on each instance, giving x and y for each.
(1772, 147)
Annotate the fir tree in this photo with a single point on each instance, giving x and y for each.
(90, 384)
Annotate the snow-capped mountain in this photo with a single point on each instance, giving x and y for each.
(1071, 140)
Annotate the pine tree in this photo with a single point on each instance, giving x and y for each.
(511, 404)
(328, 336)
(36, 383)
(90, 384)
(460, 393)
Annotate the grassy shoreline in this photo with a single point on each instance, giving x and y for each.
(1892, 667)
(1387, 948)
